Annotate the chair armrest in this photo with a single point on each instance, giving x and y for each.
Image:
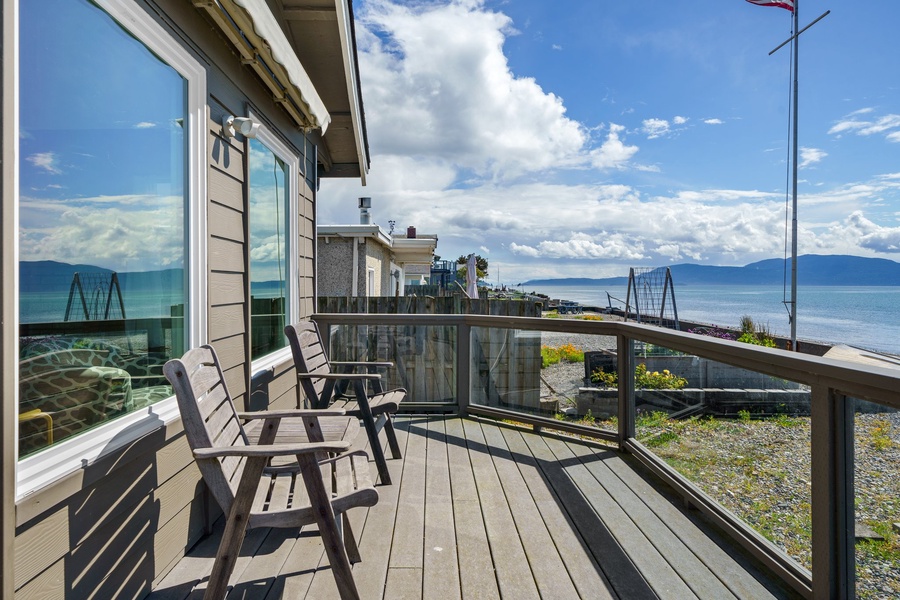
(360, 363)
(292, 413)
(271, 450)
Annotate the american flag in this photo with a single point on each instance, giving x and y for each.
(788, 4)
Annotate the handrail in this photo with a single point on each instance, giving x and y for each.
(832, 384)
(868, 382)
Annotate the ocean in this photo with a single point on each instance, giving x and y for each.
(866, 317)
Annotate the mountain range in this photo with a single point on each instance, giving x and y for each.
(812, 269)
(52, 276)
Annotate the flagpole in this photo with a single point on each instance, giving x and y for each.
(796, 152)
(792, 5)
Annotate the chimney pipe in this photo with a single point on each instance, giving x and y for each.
(411, 232)
(365, 203)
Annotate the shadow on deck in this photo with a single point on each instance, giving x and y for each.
(479, 509)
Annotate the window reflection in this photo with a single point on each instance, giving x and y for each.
(101, 226)
(269, 207)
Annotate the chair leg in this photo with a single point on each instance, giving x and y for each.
(377, 451)
(372, 431)
(235, 529)
(328, 528)
(392, 437)
(349, 540)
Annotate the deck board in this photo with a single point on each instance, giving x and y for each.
(441, 568)
(480, 509)
(476, 571)
(586, 575)
(514, 576)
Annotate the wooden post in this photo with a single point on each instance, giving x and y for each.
(833, 519)
(625, 370)
(463, 366)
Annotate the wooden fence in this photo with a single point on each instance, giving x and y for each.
(505, 365)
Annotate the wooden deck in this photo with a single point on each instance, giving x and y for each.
(483, 510)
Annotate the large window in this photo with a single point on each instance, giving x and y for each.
(272, 255)
(105, 199)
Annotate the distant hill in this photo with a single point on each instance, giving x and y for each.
(53, 276)
(812, 269)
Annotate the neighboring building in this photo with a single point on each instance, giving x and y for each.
(171, 151)
(367, 260)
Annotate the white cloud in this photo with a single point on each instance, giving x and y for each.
(680, 120)
(713, 121)
(655, 128)
(613, 154)
(144, 125)
(114, 232)
(556, 47)
(46, 161)
(810, 156)
(448, 92)
(851, 124)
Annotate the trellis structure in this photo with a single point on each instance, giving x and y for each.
(652, 292)
(93, 294)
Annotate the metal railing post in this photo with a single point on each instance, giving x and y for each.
(463, 364)
(833, 519)
(625, 368)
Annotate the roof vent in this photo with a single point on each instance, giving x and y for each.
(365, 204)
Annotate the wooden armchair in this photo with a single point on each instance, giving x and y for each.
(319, 382)
(321, 486)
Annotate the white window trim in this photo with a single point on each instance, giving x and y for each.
(291, 160)
(44, 468)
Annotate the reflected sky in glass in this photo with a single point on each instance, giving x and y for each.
(268, 215)
(102, 167)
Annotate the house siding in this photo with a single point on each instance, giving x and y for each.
(118, 525)
(378, 257)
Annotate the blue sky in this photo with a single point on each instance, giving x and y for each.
(581, 138)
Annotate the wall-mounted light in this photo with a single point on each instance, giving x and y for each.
(245, 126)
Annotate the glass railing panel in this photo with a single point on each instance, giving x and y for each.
(877, 500)
(423, 356)
(543, 373)
(742, 437)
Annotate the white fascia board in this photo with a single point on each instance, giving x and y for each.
(350, 231)
(351, 68)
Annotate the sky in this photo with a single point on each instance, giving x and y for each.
(102, 159)
(583, 137)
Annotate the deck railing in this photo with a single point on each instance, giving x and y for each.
(469, 370)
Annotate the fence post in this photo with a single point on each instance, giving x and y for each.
(833, 518)
(463, 365)
(625, 371)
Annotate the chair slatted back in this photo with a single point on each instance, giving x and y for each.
(209, 418)
(310, 357)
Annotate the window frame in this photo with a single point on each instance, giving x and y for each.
(43, 468)
(292, 161)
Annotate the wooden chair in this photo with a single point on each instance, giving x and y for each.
(319, 382)
(250, 492)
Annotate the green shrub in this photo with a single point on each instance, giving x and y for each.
(643, 379)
